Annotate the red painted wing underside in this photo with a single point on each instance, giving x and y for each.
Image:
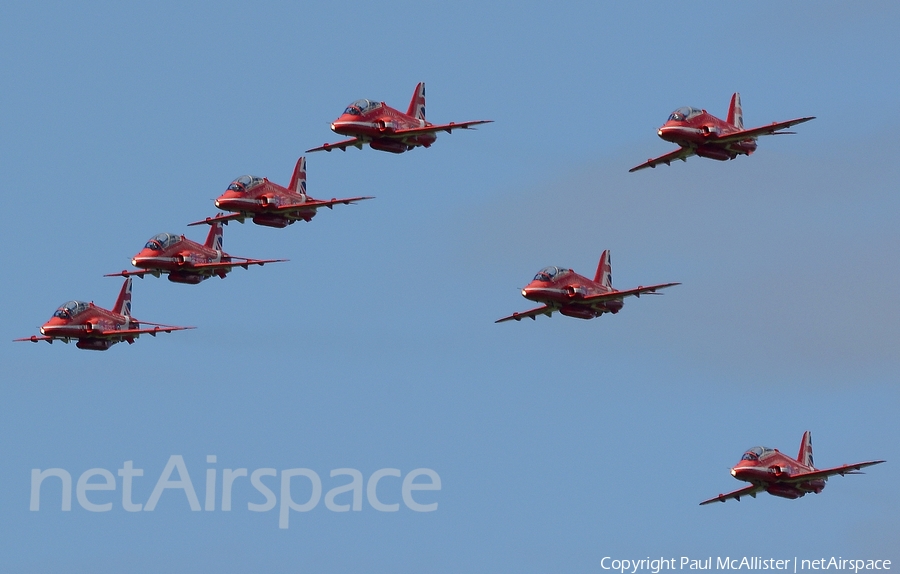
(825, 473)
(401, 134)
(760, 131)
(737, 494)
(307, 205)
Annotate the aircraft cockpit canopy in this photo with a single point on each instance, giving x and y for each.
(684, 113)
(162, 241)
(70, 309)
(244, 183)
(757, 453)
(549, 273)
(360, 107)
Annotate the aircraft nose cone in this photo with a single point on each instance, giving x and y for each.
(226, 199)
(534, 291)
(344, 124)
(667, 132)
(54, 325)
(745, 471)
(144, 256)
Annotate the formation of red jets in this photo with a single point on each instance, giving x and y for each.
(384, 128)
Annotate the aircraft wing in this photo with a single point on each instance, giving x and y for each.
(140, 273)
(825, 473)
(111, 333)
(771, 129)
(341, 145)
(317, 203)
(751, 490)
(309, 204)
(531, 313)
(667, 159)
(235, 262)
(612, 295)
(33, 339)
(437, 128)
(136, 332)
(223, 218)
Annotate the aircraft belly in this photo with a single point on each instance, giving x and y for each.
(784, 490)
(187, 278)
(422, 139)
(746, 147)
(579, 312)
(717, 152)
(613, 306)
(815, 486)
(271, 220)
(389, 145)
(92, 344)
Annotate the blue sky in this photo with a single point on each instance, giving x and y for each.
(559, 441)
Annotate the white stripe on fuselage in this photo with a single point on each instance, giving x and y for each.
(355, 124)
(245, 200)
(146, 260)
(679, 132)
(540, 291)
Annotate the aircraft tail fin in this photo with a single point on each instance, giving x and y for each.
(123, 303)
(298, 180)
(214, 238)
(604, 270)
(805, 456)
(417, 104)
(735, 113)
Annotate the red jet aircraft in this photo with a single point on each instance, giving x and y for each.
(574, 295)
(700, 133)
(387, 129)
(769, 470)
(270, 204)
(96, 328)
(187, 261)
